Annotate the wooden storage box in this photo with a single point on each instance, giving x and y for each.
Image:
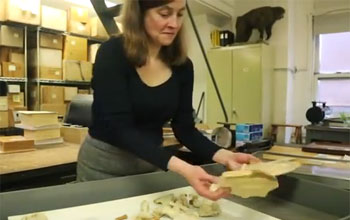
(24, 11)
(53, 18)
(75, 48)
(74, 134)
(42, 134)
(34, 119)
(52, 94)
(10, 144)
(11, 36)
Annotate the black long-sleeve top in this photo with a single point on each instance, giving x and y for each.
(130, 115)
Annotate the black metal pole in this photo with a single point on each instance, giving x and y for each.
(200, 103)
(107, 15)
(207, 62)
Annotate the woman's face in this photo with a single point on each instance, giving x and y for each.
(163, 23)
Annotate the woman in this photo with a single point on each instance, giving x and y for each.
(141, 80)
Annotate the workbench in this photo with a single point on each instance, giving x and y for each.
(47, 165)
(294, 199)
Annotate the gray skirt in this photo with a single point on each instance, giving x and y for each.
(99, 160)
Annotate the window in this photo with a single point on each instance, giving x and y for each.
(334, 53)
(333, 78)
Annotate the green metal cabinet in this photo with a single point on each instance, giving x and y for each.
(243, 75)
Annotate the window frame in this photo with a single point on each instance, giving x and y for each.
(324, 76)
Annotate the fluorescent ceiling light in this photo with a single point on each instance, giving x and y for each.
(87, 3)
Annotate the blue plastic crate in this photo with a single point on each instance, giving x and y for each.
(247, 128)
(251, 136)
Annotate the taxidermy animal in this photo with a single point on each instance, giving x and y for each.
(260, 18)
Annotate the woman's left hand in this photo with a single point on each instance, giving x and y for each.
(233, 161)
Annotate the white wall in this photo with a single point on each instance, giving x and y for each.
(205, 23)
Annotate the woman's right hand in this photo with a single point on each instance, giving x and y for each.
(198, 178)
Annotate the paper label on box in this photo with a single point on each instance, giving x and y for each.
(54, 96)
(16, 35)
(12, 68)
(16, 98)
(57, 73)
(55, 41)
(14, 88)
(73, 42)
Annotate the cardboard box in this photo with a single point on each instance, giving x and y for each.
(14, 88)
(86, 70)
(16, 57)
(52, 94)
(93, 48)
(10, 54)
(4, 119)
(249, 136)
(15, 100)
(74, 70)
(10, 69)
(10, 144)
(52, 41)
(53, 18)
(60, 109)
(5, 54)
(73, 134)
(4, 104)
(48, 57)
(11, 36)
(23, 11)
(78, 14)
(79, 28)
(75, 48)
(249, 127)
(35, 119)
(50, 73)
(97, 28)
(14, 115)
(69, 93)
(2, 10)
(83, 91)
